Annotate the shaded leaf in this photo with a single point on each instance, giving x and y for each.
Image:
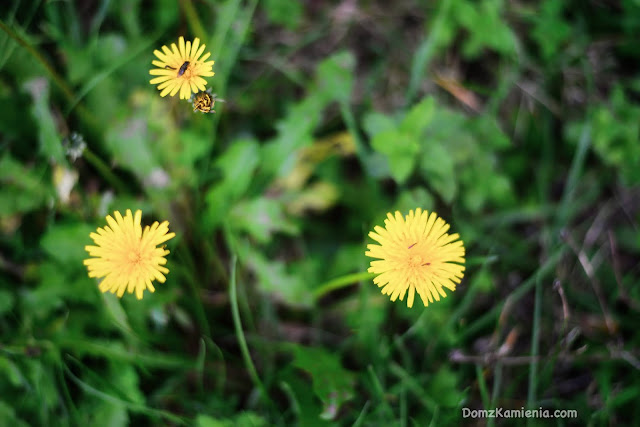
(332, 383)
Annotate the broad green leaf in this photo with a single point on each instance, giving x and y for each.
(128, 142)
(483, 281)
(401, 166)
(108, 414)
(443, 388)
(473, 198)
(65, 242)
(10, 371)
(316, 197)
(238, 164)
(294, 132)
(401, 149)
(193, 146)
(500, 190)
(48, 136)
(217, 206)
(332, 383)
(418, 197)
(280, 281)
(284, 12)
(243, 419)
(309, 405)
(7, 301)
(348, 258)
(261, 218)
(8, 416)
(487, 131)
(614, 133)
(119, 317)
(384, 142)
(21, 189)
(335, 76)
(59, 282)
(375, 123)
(550, 30)
(437, 168)
(486, 27)
(419, 117)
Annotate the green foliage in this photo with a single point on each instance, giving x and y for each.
(22, 189)
(244, 419)
(615, 129)
(400, 143)
(332, 384)
(450, 152)
(551, 30)
(283, 12)
(485, 26)
(517, 122)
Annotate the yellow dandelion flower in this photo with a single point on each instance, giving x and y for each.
(181, 68)
(416, 254)
(128, 257)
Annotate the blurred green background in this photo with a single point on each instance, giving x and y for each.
(518, 122)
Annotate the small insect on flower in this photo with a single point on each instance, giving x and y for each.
(204, 101)
(184, 67)
(181, 68)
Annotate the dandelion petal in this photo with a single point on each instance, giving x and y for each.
(415, 254)
(126, 258)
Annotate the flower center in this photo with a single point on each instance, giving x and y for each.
(415, 258)
(134, 258)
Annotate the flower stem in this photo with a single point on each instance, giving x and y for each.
(104, 170)
(89, 119)
(341, 282)
(242, 342)
(56, 78)
(193, 20)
